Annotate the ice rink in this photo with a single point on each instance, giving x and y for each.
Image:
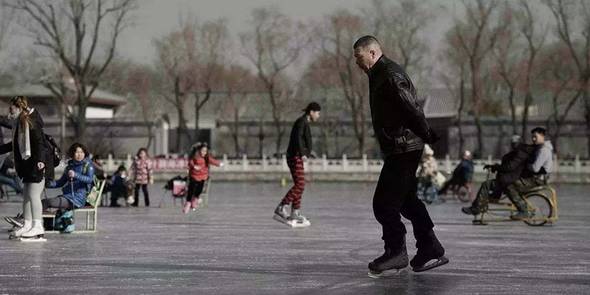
(235, 247)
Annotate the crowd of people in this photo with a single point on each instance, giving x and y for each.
(410, 171)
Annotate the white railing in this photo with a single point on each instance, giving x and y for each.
(323, 164)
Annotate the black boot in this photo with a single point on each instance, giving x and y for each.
(429, 248)
(393, 259)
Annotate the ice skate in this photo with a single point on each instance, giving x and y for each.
(17, 221)
(281, 214)
(187, 207)
(430, 253)
(388, 264)
(297, 220)
(195, 204)
(37, 238)
(17, 233)
(35, 234)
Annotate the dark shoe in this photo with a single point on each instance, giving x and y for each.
(430, 253)
(392, 259)
(470, 210)
(520, 215)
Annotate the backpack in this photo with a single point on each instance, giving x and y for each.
(53, 150)
(64, 221)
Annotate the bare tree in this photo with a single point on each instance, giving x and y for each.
(212, 44)
(535, 40)
(140, 82)
(72, 32)
(399, 26)
(476, 38)
(335, 67)
(455, 80)
(177, 57)
(272, 45)
(6, 19)
(559, 78)
(566, 14)
(507, 57)
(238, 84)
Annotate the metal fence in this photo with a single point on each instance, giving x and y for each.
(179, 164)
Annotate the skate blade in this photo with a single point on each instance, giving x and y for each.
(386, 273)
(432, 264)
(291, 223)
(479, 222)
(297, 224)
(33, 239)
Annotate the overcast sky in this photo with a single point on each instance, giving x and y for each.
(155, 18)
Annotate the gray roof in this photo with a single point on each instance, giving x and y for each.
(439, 103)
(40, 91)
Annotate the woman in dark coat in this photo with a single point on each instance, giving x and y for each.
(28, 148)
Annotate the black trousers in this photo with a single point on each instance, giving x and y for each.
(395, 196)
(454, 181)
(59, 202)
(195, 188)
(146, 196)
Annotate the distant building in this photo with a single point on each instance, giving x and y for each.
(103, 104)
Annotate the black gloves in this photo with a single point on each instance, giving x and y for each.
(492, 168)
(431, 137)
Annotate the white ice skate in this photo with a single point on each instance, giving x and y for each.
(18, 232)
(296, 220)
(35, 234)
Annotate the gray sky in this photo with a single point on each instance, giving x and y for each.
(155, 18)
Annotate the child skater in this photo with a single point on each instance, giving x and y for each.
(198, 171)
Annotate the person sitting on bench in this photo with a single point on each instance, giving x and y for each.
(534, 174)
(76, 181)
(508, 172)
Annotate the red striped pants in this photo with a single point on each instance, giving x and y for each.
(295, 194)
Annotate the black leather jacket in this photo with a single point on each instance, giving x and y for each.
(513, 164)
(398, 119)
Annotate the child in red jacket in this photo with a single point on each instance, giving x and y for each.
(198, 171)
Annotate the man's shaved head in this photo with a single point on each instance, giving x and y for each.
(367, 51)
(366, 41)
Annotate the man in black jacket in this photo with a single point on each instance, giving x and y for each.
(299, 149)
(401, 130)
(508, 171)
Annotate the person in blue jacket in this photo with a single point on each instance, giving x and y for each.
(76, 181)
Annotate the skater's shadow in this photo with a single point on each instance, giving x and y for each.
(406, 282)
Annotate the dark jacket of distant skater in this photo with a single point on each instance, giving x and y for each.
(398, 120)
(300, 142)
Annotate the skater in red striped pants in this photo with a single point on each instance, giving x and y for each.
(299, 149)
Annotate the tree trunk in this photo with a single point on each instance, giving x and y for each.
(525, 114)
(587, 115)
(512, 111)
(261, 138)
(150, 135)
(197, 115)
(475, 96)
(460, 114)
(235, 132)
